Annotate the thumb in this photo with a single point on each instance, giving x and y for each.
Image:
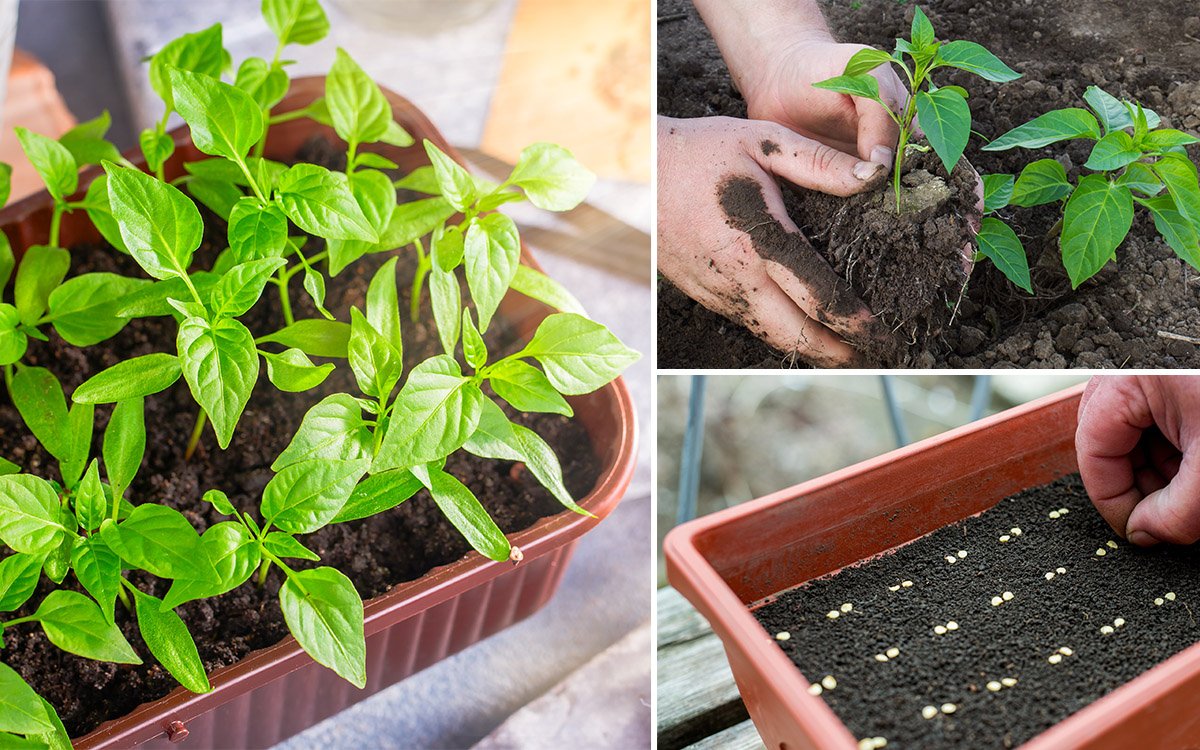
(1171, 514)
(808, 163)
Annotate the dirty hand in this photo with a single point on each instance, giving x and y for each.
(725, 239)
(1138, 444)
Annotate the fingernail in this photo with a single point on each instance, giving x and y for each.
(865, 170)
(1142, 539)
(883, 155)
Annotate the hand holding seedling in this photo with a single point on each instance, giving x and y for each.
(1138, 443)
(725, 238)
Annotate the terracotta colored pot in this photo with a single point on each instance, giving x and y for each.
(727, 562)
(279, 691)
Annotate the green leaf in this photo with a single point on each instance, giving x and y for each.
(454, 182)
(396, 135)
(264, 84)
(376, 364)
(39, 398)
(91, 506)
(160, 541)
(1140, 177)
(200, 52)
(1178, 173)
(292, 370)
(285, 545)
(539, 286)
(13, 342)
(420, 180)
(1052, 127)
(526, 388)
(156, 147)
(99, 572)
(124, 443)
(1043, 181)
(553, 179)
(296, 21)
(997, 191)
(321, 203)
(100, 212)
(8, 261)
(41, 271)
(256, 232)
(58, 562)
(21, 709)
(1167, 138)
(1001, 245)
(1095, 222)
(130, 378)
(464, 512)
(220, 365)
(474, 349)
(19, 574)
(86, 141)
(445, 298)
(866, 60)
(219, 197)
(77, 443)
(168, 639)
(378, 493)
(333, 430)
(232, 552)
(383, 305)
(5, 183)
(922, 29)
(75, 624)
(325, 614)
(492, 252)
(864, 86)
(974, 58)
(946, 120)
(315, 337)
(242, 285)
(448, 249)
(578, 355)
(223, 119)
(376, 196)
(220, 501)
(359, 110)
(84, 309)
(159, 224)
(53, 162)
(412, 221)
(433, 415)
(1113, 151)
(372, 159)
(1111, 112)
(1179, 233)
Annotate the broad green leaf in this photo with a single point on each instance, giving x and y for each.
(99, 572)
(218, 197)
(325, 614)
(1052, 127)
(39, 398)
(359, 110)
(865, 86)
(433, 415)
(295, 21)
(374, 160)
(156, 147)
(223, 119)
(321, 203)
(420, 180)
(264, 84)
(976, 59)
(58, 562)
(200, 52)
(333, 430)
(997, 191)
(58, 739)
(77, 443)
(527, 389)
(1095, 222)
(1140, 177)
(84, 309)
(1111, 112)
(464, 512)
(378, 493)
(160, 541)
(1000, 244)
(539, 286)
(220, 501)
(1043, 181)
(396, 135)
(376, 364)
(552, 178)
(19, 574)
(922, 29)
(234, 555)
(53, 162)
(314, 337)
(21, 709)
(866, 60)
(291, 370)
(100, 212)
(1179, 233)
(86, 141)
(306, 496)
(474, 349)
(256, 232)
(376, 197)
(1167, 138)
(454, 182)
(578, 355)
(160, 226)
(130, 378)
(446, 299)
(412, 221)
(1113, 151)
(946, 120)
(383, 305)
(13, 342)
(220, 364)
(1178, 173)
(168, 639)
(447, 248)
(492, 252)
(241, 286)
(285, 545)
(124, 443)
(91, 506)
(41, 271)
(76, 624)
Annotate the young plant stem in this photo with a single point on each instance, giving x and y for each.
(423, 266)
(262, 572)
(197, 431)
(8, 378)
(123, 596)
(56, 222)
(285, 301)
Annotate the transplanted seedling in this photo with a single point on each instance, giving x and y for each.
(942, 111)
(1133, 161)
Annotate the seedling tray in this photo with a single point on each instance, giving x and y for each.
(279, 691)
(730, 562)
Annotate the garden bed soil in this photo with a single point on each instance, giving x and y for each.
(1114, 320)
(1013, 640)
(376, 553)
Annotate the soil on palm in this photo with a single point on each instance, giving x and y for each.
(1061, 606)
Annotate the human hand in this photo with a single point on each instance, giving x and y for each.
(725, 239)
(1138, 444)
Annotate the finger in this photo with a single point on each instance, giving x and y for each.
(1111, 422)
(877, 131)
(810, 164)
(1172, 514)
(776, 319)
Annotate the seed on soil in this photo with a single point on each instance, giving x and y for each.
(815, 689)
(962, 553)
(892, 652)
(880, 657)
(893, 588)
(1008, 681)
(1055, 658)
(1111, 544)
(952, 625)
(1170, 596)
(1066, 651)
(828, 682)
(929, 712)
(1054, 514)
(906, 584)
(949, 708)
(782, 635)
(1119, 622)
(847, 607)
(872, 743)
(994, 686)
(1063, 511)
(1101, 552)
(1007, 596)
(1005, 537)
(1050, 576)
(951, 559)
(1106, 629)
(997, 601)
(1158, 601)
(833, 614)
(1015, 531)
(1060, 571)
(939, 629)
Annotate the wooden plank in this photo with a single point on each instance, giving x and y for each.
(737, 737)
(678, 621)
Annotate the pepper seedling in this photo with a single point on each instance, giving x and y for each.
(942, 111)
(1133, 161)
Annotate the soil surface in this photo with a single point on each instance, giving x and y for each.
(1115, 319)
(376, 553)
(1155, 592)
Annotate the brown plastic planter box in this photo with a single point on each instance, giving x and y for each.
(727, 562)
(279, 691)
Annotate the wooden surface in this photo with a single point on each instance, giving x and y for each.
(698, 702)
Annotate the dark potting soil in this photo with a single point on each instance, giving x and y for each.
(1013, 640)
(376, 553)
(1115, 319)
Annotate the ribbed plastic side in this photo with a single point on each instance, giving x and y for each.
(287, 706)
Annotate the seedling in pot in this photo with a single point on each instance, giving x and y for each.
(1133, 161)
(943, 112)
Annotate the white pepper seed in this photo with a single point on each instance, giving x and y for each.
(880, 658)
(1015, 531)
(1111, 544)
(952, 625)
(815, 689)
(906, 584)
(866, 743)
(994, 686)
(1118, 622)
(1008, 681)
(1158, 601)
(1055, 658)
(828, 682)
(1066, 651)
(833, 614)
(939, 629)
(962, 553)
(1007, 596)
(997, 601)
(893, 588)
(1063, 511)
(1106, 629)
(1054, 514)
(1100, 552)
(949, 708)
(929, 712)
(847, 607)
(893, 652)
(1170, 596)
(1060, 571)
(880, 743)
(1005, 537)
(782, 635)
(1050, 576)
(951, 559)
